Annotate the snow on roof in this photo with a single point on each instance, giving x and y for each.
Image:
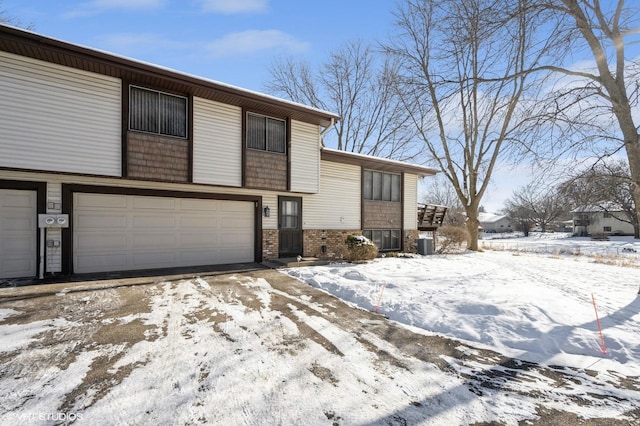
(490, 217)
(611, 207)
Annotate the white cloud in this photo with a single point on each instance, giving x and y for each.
(94, 7)
(234, 6)
(252, 41)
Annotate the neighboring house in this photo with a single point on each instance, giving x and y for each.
(590, 220)
(495, 223)
(153, 168)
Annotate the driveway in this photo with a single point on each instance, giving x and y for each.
(250, 347)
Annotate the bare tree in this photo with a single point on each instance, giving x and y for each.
(534, 205)
(606, 186)
(596, 104)
(357, 83)
(6, 18)
(440, 192)
(462, 74)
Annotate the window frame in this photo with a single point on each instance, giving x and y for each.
(268, 144)
(385, 236)
(159, 113)
(382, 186)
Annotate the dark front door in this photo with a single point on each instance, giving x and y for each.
(290, 226)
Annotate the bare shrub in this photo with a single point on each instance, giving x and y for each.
(452, 239)
(360, 248)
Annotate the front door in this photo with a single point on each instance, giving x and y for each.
(290, 226)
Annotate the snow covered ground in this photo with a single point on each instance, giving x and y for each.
(263, 349)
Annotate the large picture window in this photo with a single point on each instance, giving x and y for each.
(385, 239)
(382, 186)
(156, 112)
(266, 133)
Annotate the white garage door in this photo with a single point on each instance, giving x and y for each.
(129, 232)
(18, 233)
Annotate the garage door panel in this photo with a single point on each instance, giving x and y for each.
(199, 257)
(154, 221)
(14, 245)
(154, 203)
(101, 201)
(232, 239)
(153, 259)
(210, 239)
(108, 242)
(101, 221)
(198, 222)
(237, 206)
(153, 240)
(156, 232)
(195, 204)
(102, 262)
(13, 223)
(231, 255)
(18, 233)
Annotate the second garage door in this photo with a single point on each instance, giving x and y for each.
(113, 232)
(18, 232)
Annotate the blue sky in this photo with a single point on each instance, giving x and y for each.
(231, 41)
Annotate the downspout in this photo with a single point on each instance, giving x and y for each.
(322, 133)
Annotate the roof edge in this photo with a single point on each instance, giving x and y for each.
(377, 163)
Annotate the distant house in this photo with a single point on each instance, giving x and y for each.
(491, 222)
(589, 220)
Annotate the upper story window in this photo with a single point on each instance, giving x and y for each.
(382, 186)
(266, 133)
(156, 112)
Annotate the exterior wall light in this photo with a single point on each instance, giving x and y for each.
(267, 211)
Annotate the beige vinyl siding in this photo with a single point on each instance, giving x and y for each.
(217, 143)
(337, 206)
(305, 157)
(271, 200)
(410, 198)
(58, 118)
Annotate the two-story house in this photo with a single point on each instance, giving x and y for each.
(601, 220)
(147, 167)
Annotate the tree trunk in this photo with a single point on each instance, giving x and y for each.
(472, 226)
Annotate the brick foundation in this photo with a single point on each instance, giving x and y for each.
(332, 240)
(270, 244)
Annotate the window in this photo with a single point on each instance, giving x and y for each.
(266, 133)
(606, 229)
(382, 186)
(385, 239)
(156, 112)
(607, 215)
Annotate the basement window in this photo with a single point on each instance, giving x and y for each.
(385, 239)
(151, 111)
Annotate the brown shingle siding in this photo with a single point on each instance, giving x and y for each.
(154, 157)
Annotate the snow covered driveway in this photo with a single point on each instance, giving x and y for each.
(262, 348)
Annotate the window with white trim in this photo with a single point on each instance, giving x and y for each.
(266, 133)
(157, 112)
